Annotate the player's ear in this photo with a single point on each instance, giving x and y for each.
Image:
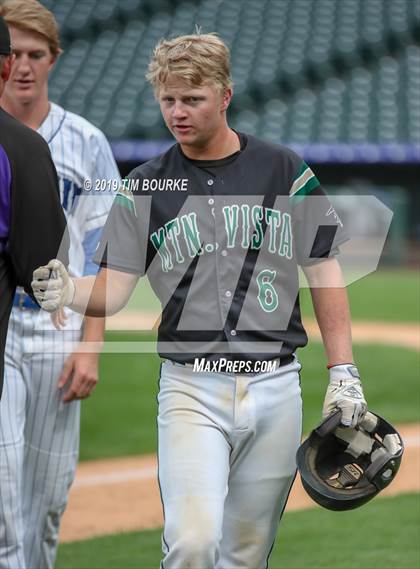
(226, 98)
(53, 58)
(7, 67)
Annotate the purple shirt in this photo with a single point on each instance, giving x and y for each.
(5, 180)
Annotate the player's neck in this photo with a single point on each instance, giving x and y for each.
(30, 114)
(224, 143)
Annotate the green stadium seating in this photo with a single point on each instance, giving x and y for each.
(303, 70)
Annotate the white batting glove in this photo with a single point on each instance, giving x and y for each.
(52, 286)
(345, 392)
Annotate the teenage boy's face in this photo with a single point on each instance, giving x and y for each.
(194, 115)
(29, 77)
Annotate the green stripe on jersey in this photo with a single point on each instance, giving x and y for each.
(304, 182)
(126, 201)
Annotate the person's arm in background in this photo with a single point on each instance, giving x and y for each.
(81, 369)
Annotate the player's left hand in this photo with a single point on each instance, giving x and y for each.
(80, 372)
(345, 392)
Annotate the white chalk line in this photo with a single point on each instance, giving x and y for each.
(116, 477)
(150, 472)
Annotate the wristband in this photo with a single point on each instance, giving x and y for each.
(329, 366)
(341, 372)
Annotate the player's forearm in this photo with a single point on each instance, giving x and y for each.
(93, 329)
(90, 297)
(103, 295)
(330, 301)
(333, 316)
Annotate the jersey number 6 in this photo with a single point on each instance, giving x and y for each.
(267, 296)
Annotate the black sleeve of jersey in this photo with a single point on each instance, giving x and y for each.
(317, 229)
(38, 224)
(123, 245)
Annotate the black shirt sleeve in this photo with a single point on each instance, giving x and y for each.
(38, 224)
(317, 228)
(124, 240)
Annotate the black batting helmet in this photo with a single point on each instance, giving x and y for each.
(343, 468)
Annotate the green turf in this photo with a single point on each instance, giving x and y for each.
(390, 378)
(120, 418)
(387, 294)
(383, 534)
(143, 298)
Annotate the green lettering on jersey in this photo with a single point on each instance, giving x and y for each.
(245, 226)
(159, 242)
(173, 230)
(257, 217)
(231, 223)
(191, 234)
(272, 217)
(286, 237)
(267, 295)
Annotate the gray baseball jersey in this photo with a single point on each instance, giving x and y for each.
(220, 243)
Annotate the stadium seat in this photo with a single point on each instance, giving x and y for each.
(320, 70)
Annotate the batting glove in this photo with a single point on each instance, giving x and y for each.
(345, 392)
(52, 286)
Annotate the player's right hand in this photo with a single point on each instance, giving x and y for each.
(52, 286)
(59, 318)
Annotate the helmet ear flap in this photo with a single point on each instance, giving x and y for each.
(343, 468)
(382, 471)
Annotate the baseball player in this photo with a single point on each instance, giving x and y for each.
(220, 223)
(44, 381)
(30, 228)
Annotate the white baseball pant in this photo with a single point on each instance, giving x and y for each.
(227, 446)
(39, 444)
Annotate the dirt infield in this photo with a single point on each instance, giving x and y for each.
(112, 496)
(394, 334)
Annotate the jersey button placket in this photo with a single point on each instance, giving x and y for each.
(223, 269)
(211, 204)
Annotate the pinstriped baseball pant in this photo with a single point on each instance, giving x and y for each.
(227, 448)
(39, 442)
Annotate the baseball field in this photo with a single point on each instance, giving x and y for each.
(116, 490)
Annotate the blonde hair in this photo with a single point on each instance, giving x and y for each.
(31, 16)
(197, 59)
